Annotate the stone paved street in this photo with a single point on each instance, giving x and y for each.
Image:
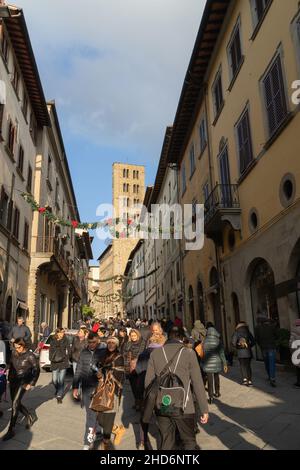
(244, 418)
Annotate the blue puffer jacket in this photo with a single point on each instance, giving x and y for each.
(214, 357)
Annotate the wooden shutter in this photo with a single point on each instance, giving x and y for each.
(275, 96)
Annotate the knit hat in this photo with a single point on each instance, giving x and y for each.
(114, 339)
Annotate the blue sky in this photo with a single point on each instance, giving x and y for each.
(115, 69)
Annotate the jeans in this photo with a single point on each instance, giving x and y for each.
(58, 379)
(270, 362)
(91, 424)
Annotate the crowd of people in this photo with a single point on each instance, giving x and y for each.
(168, 369)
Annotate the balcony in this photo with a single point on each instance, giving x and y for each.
(222, 206)
(49, 247)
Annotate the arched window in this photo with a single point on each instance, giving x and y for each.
(263, 295)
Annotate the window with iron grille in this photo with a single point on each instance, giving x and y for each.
(203, 135)
(244, 142)
(192, 160)
(21, 159)
(235, 51)
(274, 94)
(16, 223)
(218, 94)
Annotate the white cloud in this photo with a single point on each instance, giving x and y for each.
(115, 67)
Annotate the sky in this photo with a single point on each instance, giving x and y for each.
(115, 69)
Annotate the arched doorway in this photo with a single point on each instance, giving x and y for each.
(201, 302)
(216, 300)
(235, 308)
(8, 309)
(191, 306)
(262, 286)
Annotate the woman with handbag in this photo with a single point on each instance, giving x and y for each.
(135, 346)
(59, 354)
(106, 400)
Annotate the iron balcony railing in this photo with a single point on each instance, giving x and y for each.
(224, 196)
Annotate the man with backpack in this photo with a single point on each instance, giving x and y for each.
(173, 380)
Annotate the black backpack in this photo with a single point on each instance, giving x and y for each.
(166, 394)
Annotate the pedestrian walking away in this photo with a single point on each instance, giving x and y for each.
(23, 374)
(213, 362)
(243, 341)
(59, 355)
(79, 343)
(266, 335)
(174, 407)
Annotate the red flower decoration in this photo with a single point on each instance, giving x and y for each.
(74, 223)
(42, 210)
(129, 222)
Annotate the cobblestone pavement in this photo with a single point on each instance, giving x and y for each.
(243, 418)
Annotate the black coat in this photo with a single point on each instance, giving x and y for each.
(242, 331)
(84, 374)
(24, 368)
(77, 347)
(59, 353)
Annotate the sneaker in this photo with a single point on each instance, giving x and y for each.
(32, 418)
(250, 384)
(118, 431)
(245, 382)
(86, 447)
(59, 400)
(217, 395)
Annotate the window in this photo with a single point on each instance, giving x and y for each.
(127, 187)
(5, 47)
(128, 202)
(29, 179)
(244, 142)
(134, 174)
(127, 173)
(192, 160)
(218, 94)
(124, 187)
(26, 236)
(169, 191)
(137, 174)
(16, 223)
(11, 136)
(137, 188)
(203, 135)
(134, 188)
(258, 9)
(21, 159)
(296, 36)
(183, 179)
(235, 51)
(25, 105)
(124, 173)
(16, 79)
(4, 207)
(274, 95)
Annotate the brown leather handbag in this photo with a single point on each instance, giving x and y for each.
(104, 395)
